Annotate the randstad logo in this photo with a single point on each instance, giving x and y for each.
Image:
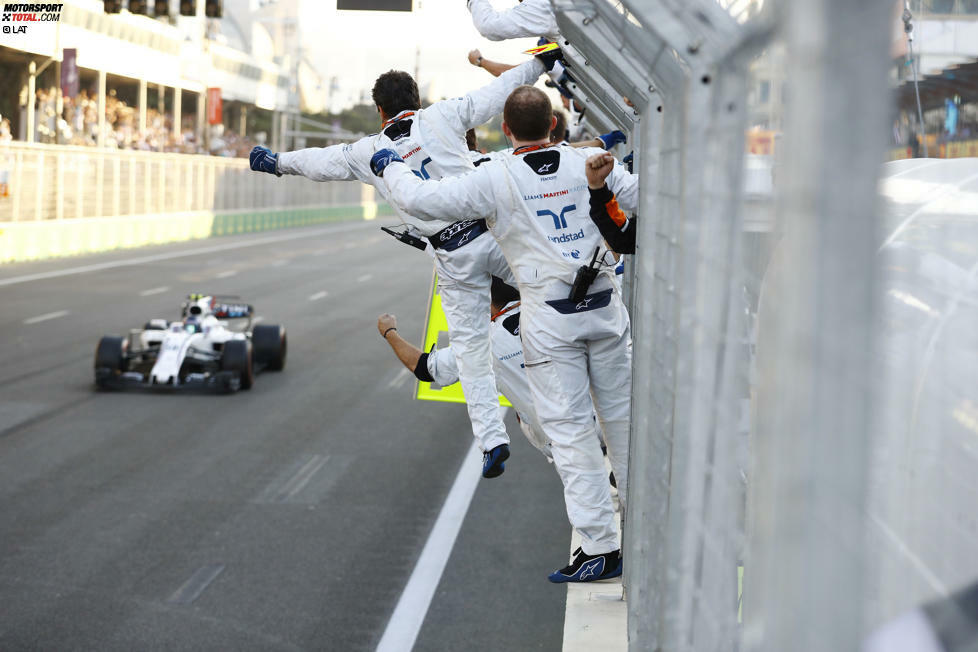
(560, 221)
(567, 237)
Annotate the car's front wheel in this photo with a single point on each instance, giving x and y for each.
(110, 359)
(271, 345)
(236, 357)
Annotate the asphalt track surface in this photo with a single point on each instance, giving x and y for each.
(287, 517)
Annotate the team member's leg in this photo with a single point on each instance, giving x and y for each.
(610, 366)
(557, 373)
(466, 307)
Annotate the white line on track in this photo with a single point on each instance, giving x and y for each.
(299, 481)
(196, 585)
(152, 291)
(399, 378)
(227, 274)
(142, 260)
(46, 316)
(318, 295)
(365, 277)
(405, 623)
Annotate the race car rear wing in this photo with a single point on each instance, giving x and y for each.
(227, 306)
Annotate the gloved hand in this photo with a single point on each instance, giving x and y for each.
(560, 88)
(263, 160)
(629, 160)
(611, 139)
(549, 59)
(381, 159)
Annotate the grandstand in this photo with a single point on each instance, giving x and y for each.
(141, 83)
(141, 91)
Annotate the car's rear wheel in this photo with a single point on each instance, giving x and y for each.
(236, 357)
(110, 359)
(270, 346)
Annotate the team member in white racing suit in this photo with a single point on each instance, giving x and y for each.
(432, 141)
(440, 368)
(536, 204)
(529, 18)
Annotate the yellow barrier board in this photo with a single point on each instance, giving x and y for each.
(436, 330)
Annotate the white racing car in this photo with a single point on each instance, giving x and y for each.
(215, 344)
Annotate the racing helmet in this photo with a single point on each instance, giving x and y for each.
(192, 323)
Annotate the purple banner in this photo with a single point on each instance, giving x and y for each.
(69, 73)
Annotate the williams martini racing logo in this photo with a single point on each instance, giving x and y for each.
(17, 16)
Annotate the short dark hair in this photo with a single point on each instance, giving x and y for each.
(396, 91)
(471, 140)
(503, 293)
(528, 113)
(559, 133)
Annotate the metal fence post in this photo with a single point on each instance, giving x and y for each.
(39, 190)
(99, 187)
(648, 487)
(17, 188)
(133, 161)
(79, 191)
(59, 206)
(161, 185)
(117, 186)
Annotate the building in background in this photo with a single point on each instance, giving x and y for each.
(945, 33)
(142, 81)
(945, 60)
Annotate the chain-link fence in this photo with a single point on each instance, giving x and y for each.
(805, 357)
(51, 182)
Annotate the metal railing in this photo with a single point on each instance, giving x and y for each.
(54, 182)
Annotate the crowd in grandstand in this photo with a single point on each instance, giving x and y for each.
(77, 124)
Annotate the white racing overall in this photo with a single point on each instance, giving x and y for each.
(528, 18)
(536, 202)
(507, 363)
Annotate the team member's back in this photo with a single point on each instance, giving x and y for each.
(536, 203)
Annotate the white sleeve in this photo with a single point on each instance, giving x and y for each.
(453, 199)
(625, 186)
(443, 367)
(482, 105)
(319, 163)
(529, 18)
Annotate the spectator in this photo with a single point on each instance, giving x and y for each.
(78, 124)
